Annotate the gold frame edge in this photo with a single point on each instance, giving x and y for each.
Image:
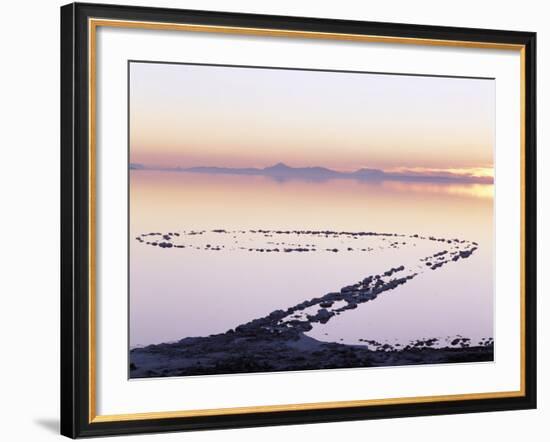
(93, 23)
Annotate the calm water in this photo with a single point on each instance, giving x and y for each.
(176, 293)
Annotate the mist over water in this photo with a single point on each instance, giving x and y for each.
(177, 293)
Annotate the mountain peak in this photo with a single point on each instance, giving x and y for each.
(367, 171)
(279, 165)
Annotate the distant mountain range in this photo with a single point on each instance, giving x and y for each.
(283, 172)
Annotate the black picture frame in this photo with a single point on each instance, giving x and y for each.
(76, 402)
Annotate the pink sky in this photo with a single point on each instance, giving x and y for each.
(186, 115)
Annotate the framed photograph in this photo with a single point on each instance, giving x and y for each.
(274, 220)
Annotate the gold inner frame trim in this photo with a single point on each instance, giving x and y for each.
(93, 24)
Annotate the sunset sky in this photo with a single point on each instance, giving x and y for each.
(185, 115)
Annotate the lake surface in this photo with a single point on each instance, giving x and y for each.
(182, 292)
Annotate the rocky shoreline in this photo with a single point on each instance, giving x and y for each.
(237, 352)
(277, 342)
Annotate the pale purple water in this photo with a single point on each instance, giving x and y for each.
(176, 293)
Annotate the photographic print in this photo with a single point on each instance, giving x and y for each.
(276, 220)
(293, 219)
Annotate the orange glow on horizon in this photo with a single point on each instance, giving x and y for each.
(478, 172)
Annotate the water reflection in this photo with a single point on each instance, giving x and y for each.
(192, 293)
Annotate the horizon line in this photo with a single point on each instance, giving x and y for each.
(281, 170)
